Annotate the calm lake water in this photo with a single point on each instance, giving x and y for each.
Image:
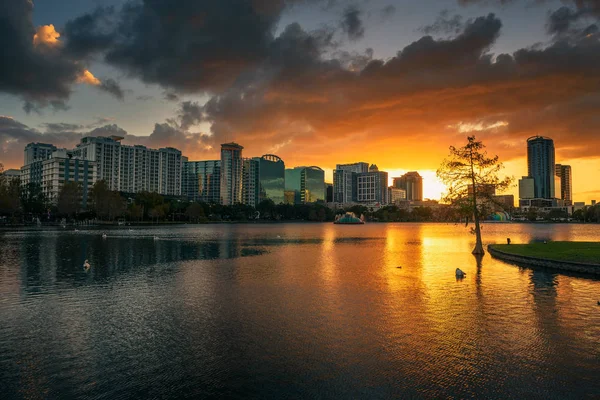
(292, 311)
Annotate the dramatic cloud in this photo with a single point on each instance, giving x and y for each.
(87, 77)
(352, 23)
(196, 46)
(39, 70)
(431, 92)
(46, 35)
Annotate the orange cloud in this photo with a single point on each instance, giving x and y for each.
(89, 78)
(46, 35)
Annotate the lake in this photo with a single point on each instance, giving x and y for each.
(293, 311)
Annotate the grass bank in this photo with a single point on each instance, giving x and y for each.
(579, 252)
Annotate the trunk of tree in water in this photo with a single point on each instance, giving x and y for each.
(478, 243)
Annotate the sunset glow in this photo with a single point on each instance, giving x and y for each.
(315, 84)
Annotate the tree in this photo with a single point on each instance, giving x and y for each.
(69, 198)
(100, 197)
(194, 212)
(10, 195)
(469, 175)
(33, 199)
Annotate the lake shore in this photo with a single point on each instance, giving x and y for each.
(569, 256)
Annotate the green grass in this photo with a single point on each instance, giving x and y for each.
(584, 252)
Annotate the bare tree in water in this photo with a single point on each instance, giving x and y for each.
(472, 178)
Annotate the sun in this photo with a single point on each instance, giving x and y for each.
(432, 187)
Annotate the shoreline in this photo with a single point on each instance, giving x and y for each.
(528, 261)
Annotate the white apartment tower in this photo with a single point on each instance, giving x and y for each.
(133, 168)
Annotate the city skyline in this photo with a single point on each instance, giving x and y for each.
(268, 91)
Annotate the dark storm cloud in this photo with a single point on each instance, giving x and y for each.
(38, 70)
(38, 74)
(352, 23)
(190, 114)
(196, 46)
(429, 85)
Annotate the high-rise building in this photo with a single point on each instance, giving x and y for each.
(169, 166)
(231, 173)
(201, 181)
(133, 168)
(526, 188)
(540, 166)
(250, 181)
(306, 183)
(38, 152)
(412, 183)
(271, 178)
(56, 171)
(372, 186)
(50, 171)
(106, 153)
(563, 172)
(345, 188)
(314, 184)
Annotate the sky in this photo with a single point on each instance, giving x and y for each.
(317, 82)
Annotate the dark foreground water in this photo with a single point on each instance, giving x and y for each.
(292, 311)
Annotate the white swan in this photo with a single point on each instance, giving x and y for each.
(86, 264)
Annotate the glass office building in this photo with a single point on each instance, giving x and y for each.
(307, 184)
(201, 180)
(271, 178)
(541, 166)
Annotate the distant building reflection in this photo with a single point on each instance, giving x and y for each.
(46, 260)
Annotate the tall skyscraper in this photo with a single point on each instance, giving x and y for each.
(345, 188)
(412, 183)
(540, 166)
(201, 181)
(563, 172)
(231, 173)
